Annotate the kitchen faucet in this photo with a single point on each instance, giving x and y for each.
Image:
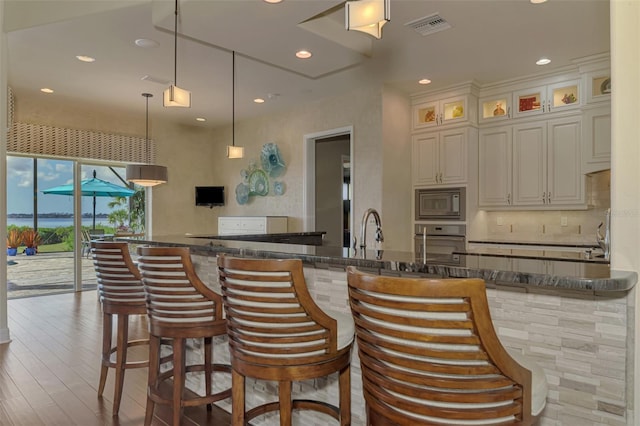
(605, 241)
(363, 227)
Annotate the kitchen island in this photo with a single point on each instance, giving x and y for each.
(574, 317)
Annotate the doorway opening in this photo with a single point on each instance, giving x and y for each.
(328, 189)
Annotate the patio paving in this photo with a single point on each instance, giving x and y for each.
(45, 273)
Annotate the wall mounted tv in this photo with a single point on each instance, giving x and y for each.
(210, 196)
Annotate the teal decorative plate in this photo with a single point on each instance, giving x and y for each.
(271, 160)
(258, 183)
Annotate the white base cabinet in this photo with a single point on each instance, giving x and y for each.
(251, 225)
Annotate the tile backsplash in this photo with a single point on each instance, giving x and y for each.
(570, 226)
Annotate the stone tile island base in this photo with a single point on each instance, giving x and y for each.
(583, 340)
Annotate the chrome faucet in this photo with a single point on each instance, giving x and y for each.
(605, 241)
(363, 227)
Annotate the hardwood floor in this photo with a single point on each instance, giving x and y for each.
(49, 371)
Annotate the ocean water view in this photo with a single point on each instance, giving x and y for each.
(55, 222)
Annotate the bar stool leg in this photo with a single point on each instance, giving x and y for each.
(154, 368)
(178, 378)
(237, 398)
(286, 405)
(106, 350)
(121, 358)
(344, 383)
(208, 367)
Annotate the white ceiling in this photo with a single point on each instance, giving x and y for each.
(490, 40)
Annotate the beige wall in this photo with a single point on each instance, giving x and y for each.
(197, 156)
(381, 158)
(396, 168)
(187, 151)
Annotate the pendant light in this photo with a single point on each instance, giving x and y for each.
(368, 16)
(175, 96)
(234, 151)
(147, 174)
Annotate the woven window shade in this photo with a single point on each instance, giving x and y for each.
(36, 139)
(10, 107)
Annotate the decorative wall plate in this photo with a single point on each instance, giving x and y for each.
(258, 183)
(271, 160)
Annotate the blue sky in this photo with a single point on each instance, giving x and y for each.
(51, 172)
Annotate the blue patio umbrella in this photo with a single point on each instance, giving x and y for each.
(93, 187)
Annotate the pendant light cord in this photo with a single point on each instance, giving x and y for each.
(233, 99)
(146, 133)
(175, 46)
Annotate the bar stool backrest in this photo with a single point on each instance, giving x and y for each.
(430, 355)
(271, 317)
(176, 297)
(118, 277)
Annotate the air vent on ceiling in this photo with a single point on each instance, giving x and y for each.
(429, 24)
(155, 80)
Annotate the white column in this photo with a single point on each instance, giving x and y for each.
(625, 154)
(4, 323)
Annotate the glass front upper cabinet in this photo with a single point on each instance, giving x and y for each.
(550, 98)
(495, 108)
(440, 112)
(564, 95)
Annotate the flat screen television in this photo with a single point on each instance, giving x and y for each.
(210, 196)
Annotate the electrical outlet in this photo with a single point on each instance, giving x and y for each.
(563, 221)
(500, 221)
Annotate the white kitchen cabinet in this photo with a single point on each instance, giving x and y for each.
(251, 225)
(548, 98)
(495, 108)
(438, 112)
(597, 139)
(494, 156)
(535, 164)
(440, 158)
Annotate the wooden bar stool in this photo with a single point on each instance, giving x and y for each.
(277, 332)
(121, 295)
(430, 355)
(180, 307)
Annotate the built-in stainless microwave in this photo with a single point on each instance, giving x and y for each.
(440, 204)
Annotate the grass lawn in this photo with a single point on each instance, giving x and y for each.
(49, 248)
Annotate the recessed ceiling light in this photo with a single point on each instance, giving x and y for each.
(146, 43)
(543, 61)
(272, 1)
(537, 1)
(46, 90)
(85, 58)
(303, 54)
(201, 119)
(258, 100)
(424, 81)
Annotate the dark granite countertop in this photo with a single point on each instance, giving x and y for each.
(565, 274)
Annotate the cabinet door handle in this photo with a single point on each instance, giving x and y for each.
(544, 198)
(509, 112)
(509, 198)
(549, 198)
(440, 177)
